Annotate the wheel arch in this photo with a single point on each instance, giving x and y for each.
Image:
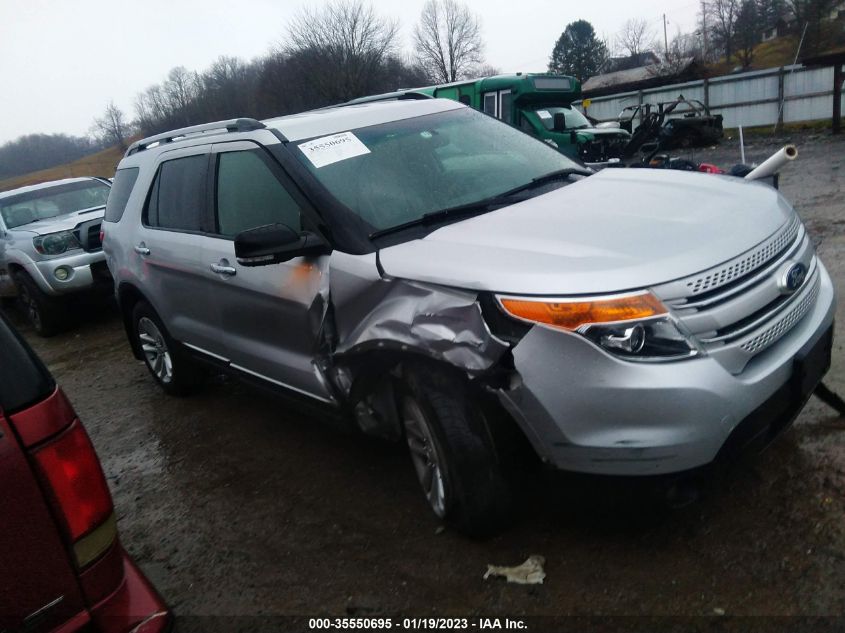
(374, 374)
(128, 296)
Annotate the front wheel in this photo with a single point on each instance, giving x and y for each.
(165, 360)
(41, 310)
(452, 451)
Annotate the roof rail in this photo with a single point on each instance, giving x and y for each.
(230, 125)
(398, 95)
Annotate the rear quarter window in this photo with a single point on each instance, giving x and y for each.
(124, 181)
(24, 380)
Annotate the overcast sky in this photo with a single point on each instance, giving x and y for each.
(62, 61)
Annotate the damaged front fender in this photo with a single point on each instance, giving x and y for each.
(377, 321)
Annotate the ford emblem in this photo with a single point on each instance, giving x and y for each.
(794, 274)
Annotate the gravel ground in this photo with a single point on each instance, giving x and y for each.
(234, 504)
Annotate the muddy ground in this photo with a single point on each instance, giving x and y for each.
(235, 504)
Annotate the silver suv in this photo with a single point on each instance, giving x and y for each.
(50, 246)
(438, 276)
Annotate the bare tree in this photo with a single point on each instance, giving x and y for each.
(636, 37)
(111, 128)
(341, 47)
(721, 18)
(747, 31)
(448, 41)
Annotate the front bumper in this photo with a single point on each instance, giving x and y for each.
(87, 271)
(587, 411)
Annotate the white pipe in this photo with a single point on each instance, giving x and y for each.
(774, 163)
(741, 146)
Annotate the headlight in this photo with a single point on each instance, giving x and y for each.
(56, 243)
(634, 326)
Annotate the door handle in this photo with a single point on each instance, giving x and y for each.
(220, 269)
(141, 249)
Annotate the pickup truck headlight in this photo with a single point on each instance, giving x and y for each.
(56, 243)
(635, 326)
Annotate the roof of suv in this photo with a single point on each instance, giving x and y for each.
(45, 185)
(296, 127)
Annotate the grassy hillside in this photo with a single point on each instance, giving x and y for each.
(100, 164)
(777, 52)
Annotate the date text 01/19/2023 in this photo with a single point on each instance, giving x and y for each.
(416, 624)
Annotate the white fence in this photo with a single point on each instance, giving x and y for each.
(763, 97)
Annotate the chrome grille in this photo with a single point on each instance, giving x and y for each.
(745, 264)
(784, 324)
(743, 310)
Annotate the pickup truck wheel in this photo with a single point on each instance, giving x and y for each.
(452, 451)
(168, 364)
(41, 310)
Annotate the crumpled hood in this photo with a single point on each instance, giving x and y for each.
(62, 222)
(620, 229)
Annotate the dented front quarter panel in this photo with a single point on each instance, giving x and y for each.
(372, 312)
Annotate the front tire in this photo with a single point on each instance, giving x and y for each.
(452, 451)
(168, 364)
(41, 310)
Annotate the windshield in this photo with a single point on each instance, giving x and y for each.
(394, 173)
(574, 119)
(51, 202)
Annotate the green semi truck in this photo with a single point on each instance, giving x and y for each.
(538, 104)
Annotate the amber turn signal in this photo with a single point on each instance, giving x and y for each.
(572, 314)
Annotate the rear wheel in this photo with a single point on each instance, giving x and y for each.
(452, 451)
(41, 310)
(168, 364)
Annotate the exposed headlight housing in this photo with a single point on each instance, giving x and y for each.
(636, 326)
(56, 243)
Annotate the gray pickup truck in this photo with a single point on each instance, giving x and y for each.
(50, 246)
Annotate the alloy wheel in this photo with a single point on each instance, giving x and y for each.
(427, 460)
(33, 312)
(154, 347)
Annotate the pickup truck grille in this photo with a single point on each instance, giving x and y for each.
(603, 149)
(738, 309)
(88, 234)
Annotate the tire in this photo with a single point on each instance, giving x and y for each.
(169, 365)
(452, 451)
(42, 311)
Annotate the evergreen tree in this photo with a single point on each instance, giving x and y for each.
(578, 51)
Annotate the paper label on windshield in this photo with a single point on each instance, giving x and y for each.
(544, 114)
(332, 149)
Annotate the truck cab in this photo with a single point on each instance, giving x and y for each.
(540, 105)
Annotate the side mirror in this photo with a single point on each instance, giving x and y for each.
(559, 122)
(275, 243)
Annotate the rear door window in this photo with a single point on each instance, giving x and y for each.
(177, 197)
(124, 180)
(249, 195)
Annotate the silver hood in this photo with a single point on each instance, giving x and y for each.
(617, 230)
(66, 222)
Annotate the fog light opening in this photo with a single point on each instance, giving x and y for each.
(62, 273)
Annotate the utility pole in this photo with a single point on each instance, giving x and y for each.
(704, 29)
(665, 37)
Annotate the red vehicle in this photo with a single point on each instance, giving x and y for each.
(62, 567)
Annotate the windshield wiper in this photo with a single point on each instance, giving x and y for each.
(545, 179)
(473, 208)
(482, 206)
